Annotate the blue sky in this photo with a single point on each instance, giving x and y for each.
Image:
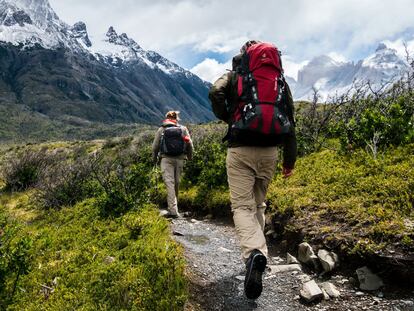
(202, 35)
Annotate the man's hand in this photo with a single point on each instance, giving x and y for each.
(287, 172)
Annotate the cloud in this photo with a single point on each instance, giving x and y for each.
(291, 67)
(300, 28)
(337, 57)
(402, 47)
(210, 69)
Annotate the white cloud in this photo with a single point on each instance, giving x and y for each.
(291, 67)
(400, 46)
(210, 69)
(337, 57)
(301, 28)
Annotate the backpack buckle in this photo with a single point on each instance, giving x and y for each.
(248, 112)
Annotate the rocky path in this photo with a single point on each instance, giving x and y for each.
(216, 275)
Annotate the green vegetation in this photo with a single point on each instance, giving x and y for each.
(84, 236)
(20, 124)
(364, 203)
(79, 228)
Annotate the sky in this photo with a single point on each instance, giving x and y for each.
(204, 35)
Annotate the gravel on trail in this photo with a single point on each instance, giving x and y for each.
(216, 273)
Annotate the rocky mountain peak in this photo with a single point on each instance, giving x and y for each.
(111, 35)
(122, 40)
(39, 11)
(11, 15)
(381, 47)
(80, 32)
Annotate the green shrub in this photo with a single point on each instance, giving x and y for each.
(67, 182)
(123, 187)
(208, 166)
(24, 170)
(14, 258)
(376, 123)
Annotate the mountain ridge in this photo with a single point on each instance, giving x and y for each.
(58, 70)
(330, 77)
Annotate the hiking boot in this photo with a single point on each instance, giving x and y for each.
(173, 215)
(255, 267)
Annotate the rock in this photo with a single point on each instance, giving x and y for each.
(178, 233)
(408, 303)
(353, 281)
(325, 295)
(368, 280)
(224, 250)
(307, 256)
(360, 293)
(108, 260)
(284, 268)
(277, 259)
(328, 260)
(304, 278)
(240, 277)
(270, 232)
(163, 213)
(291, 259)
(311, 291)
(330, 289)
(55, 281)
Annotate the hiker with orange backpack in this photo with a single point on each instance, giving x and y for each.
(172, 146)
(256, 102)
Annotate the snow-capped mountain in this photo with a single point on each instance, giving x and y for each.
(331, 77)
(70, 72)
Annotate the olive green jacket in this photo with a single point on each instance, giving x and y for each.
(156, 145)
(223, 96)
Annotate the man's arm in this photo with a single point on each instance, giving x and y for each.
(218, 96)
(156, 145)
(290, 143)
(289, 153)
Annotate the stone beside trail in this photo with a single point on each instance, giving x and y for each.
(216, 275)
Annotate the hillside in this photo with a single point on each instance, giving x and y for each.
(55, 70)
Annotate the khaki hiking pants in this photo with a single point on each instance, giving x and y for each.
(171, 169)
(249, 172)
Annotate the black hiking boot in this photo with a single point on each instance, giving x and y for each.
(255, 267)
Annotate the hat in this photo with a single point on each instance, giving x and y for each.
(173, 115)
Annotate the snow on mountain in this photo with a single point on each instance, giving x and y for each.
(34, 22)
(332, 78)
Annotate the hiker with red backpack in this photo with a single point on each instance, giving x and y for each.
(172, 146)
(256, 102)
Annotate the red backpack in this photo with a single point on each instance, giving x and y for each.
(260, 117)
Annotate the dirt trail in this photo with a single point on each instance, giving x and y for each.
(216, 275)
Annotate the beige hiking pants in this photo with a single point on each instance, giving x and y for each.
(249, 171)
(171, 169)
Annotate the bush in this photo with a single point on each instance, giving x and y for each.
(208, 166)
(123, 187)
(375, 122)
(25, 170)
(14, 258)
(67, 182)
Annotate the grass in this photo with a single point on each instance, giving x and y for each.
(77, 258)
(82, 261)
(365, 203)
